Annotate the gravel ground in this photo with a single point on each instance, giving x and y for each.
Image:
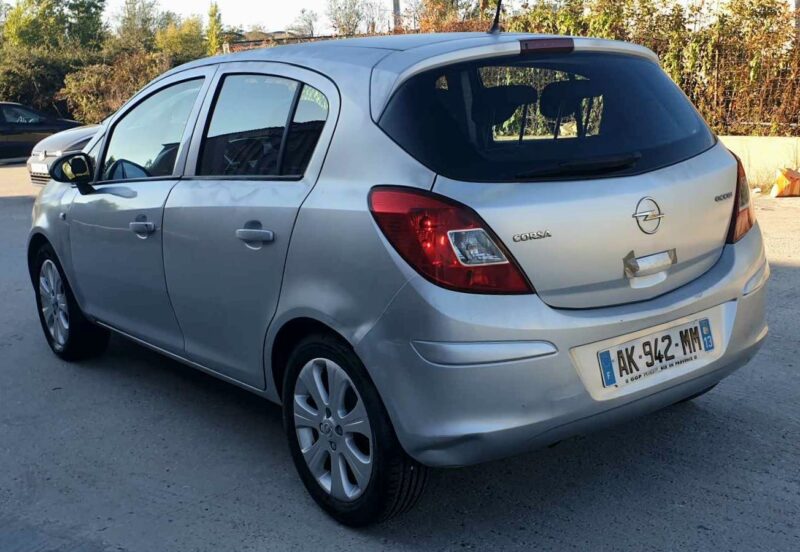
(135, 452)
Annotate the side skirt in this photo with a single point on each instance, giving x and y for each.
(186, 361)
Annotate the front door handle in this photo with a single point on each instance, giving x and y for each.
(140, 227)
(255, 235)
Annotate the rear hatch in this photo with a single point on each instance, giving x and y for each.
(593, 168)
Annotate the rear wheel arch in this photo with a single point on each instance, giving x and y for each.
(288, 337)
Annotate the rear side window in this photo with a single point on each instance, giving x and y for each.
(545, 117)
(247, 134)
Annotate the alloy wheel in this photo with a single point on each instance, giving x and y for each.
(333, 429)
(53, 299)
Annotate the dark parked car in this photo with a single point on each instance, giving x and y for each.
(21, 127)
(51, 148)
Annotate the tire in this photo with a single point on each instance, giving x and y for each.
(693, 397)
(394, 481)
(71, 337)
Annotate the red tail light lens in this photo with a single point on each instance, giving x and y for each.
(445, 241)
(744, 214)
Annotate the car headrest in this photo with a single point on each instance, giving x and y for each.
(499, 103)
(565, 97)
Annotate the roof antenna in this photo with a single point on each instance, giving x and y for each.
(496, 23)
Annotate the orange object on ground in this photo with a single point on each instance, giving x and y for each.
(787, 184)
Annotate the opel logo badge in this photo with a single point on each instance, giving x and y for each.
(648, 215)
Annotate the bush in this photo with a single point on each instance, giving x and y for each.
(96, 91)
(737, 60)
(34, 76)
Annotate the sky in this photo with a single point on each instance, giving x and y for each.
(271, 14)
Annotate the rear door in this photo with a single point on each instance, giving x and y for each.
(594, 170)
(256, 154)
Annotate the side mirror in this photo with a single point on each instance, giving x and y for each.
(73, 168)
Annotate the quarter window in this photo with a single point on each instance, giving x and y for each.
(304, 133)
(247, 134)
(145, 142)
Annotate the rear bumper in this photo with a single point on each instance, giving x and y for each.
(471, 378)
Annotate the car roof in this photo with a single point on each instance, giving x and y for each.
(388, 60)
(316, 53)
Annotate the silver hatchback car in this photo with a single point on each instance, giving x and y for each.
(433, 250)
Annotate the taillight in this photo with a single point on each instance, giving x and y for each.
(744, 214)
(445, 241)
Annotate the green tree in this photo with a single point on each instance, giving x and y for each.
(3, 13)
(34, 23)
(85, 22)
(182, 41)
(166, 18)
(137, 24)
(214, 31)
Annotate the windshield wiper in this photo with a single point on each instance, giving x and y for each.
(590, 166)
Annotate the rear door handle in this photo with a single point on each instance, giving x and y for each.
(255, 235)
(140, 227)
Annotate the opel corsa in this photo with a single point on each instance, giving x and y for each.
(432, 250)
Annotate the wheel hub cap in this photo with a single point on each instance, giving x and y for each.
(333, 429)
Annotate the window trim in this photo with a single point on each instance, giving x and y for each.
(247, 177)
(205, 76)
(209, 115)
(287, 127)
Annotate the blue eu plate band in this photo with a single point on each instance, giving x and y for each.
(607, 369)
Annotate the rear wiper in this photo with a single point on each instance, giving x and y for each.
(592, 165)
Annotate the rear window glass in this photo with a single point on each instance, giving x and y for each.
(545, 117)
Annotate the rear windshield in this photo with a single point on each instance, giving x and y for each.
(545, 117)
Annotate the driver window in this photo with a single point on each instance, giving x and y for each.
(145, 142)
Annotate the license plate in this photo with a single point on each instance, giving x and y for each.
(39, 168)
(637, 359)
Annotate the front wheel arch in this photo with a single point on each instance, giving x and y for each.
(36, 242)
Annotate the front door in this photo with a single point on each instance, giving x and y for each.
(228, 223)
(116, 231)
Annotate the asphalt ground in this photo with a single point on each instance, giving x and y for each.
(132, 451)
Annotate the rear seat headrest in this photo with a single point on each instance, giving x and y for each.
(499, 103)
(564, 97)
